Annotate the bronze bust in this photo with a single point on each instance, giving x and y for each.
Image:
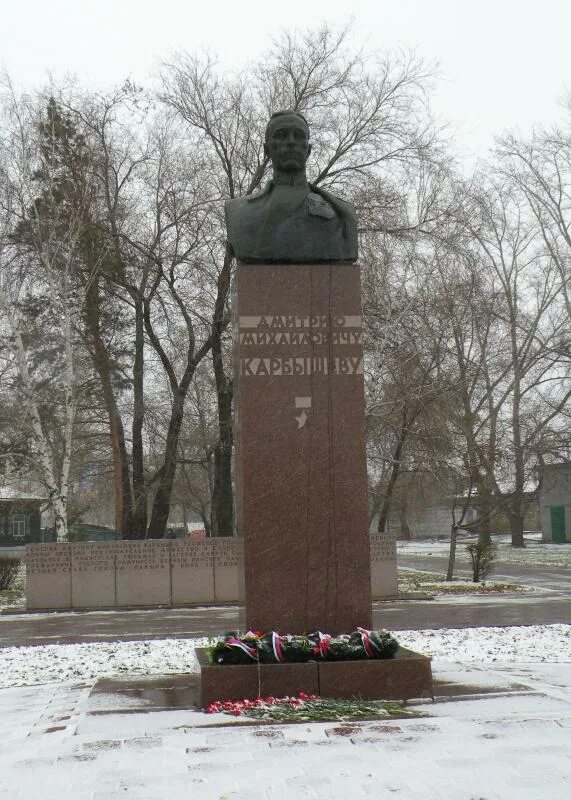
(291, 220)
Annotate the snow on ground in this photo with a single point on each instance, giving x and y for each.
(531, 643)
(23, 666)
(510, 740)
(536, 552)
(412, 581)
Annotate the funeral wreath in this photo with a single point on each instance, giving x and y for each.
(275, 648)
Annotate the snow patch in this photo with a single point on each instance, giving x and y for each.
(23, 666)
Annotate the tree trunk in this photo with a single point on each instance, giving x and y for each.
(222, 505)
(206, 522)
(166, 474)
(483, 527)
(57, 488)
(515, 511)
(484, 533)
(452, 554)
(404, 526)
(102, 362)
(59, 505)
(516, 528)
(395, 470)
(138, 527)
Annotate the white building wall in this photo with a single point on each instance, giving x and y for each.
(428, 523)
(555, 491)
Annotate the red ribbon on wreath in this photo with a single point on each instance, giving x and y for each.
(367, 643)
(250, 651)
(277, 647)
(322, 648)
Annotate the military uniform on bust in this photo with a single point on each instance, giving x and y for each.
(291, 220)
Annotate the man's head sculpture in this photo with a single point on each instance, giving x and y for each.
(287, 141)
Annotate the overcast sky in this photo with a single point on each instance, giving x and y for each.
(503, 63)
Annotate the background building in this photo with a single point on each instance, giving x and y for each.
(20, 517)
(555, 502)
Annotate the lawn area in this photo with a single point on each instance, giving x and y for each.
(411, 581)
(536, 552)
(13, 598)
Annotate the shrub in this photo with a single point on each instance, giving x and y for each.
(482, 557)
(9, 569)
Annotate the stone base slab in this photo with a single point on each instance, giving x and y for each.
(403, 677)
(239, 682)
(407, 675)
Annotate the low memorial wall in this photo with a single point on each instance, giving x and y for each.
(158, 573)
(383, 565)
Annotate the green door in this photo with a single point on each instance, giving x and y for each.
(558, 524)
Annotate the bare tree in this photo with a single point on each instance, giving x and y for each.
(155, 223)
(197, 446)
(526, 284)
(539, 169)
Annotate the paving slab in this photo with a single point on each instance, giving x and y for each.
(521, 734)
(517, 722)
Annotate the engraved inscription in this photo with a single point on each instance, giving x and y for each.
(291, 331)
(194, 555)
(44, 559)
(291, 365)
(227, 553)
(300, 337)
(142, 555)
(273, 321)
(93, 557)
(383, 547)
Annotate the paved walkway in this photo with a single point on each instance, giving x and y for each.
(551, 604)
(443, 612)
(505, 737)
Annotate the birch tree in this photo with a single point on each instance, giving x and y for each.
(39, 254)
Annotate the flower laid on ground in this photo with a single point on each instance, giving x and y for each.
(306, 707)
(238, 707)
(275, 648)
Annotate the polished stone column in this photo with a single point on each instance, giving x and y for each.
(301, 480)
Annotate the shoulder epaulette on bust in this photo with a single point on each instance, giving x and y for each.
(257, 195)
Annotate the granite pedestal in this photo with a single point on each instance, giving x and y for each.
(301, 484)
